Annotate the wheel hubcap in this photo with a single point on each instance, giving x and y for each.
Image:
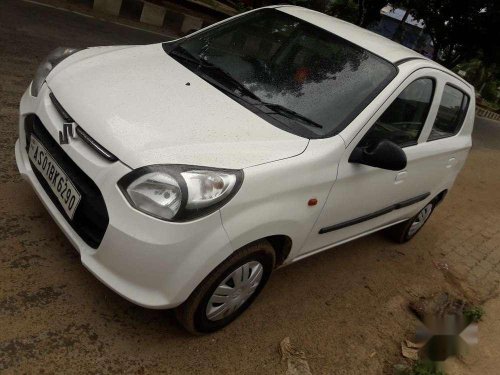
(234, 290)
(420, 220)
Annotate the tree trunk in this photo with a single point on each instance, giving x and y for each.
(435, 53)
(436, 46)
(361, 11)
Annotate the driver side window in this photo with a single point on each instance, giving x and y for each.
(403, 121)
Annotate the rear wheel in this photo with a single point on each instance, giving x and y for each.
(229, 290)
(407, 230)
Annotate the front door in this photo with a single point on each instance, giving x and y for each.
(365, 198)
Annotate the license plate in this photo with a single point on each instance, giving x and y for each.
(60, 184)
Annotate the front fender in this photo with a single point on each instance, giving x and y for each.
(273, 199)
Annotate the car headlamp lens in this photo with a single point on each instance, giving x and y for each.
(54, 58)
(156, 193)
(177, 192)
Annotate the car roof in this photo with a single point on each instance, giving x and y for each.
(377, 44)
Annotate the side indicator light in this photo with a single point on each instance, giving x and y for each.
(312, 202)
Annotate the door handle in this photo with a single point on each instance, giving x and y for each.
(451, 162)
(400, 177)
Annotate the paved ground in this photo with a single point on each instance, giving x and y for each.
(345, 308)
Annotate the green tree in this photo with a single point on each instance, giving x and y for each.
(369, 11)
(459, 29)
(484, 76)
(344, 9)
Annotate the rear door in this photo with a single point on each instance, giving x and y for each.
(446, 140)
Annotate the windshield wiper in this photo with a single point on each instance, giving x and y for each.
(222, 76)
(288, 113)
(224, 79)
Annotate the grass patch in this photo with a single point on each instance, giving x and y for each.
(474, 314)
(421, 367)
(418, 368)
(425, 368)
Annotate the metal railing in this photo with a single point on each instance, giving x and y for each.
(481, 112)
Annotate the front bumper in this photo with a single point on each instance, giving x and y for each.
(152, 263)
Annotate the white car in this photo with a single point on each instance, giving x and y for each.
(185, 172)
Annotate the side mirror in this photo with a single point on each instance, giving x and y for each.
(385, 155)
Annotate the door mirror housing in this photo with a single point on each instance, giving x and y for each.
(385, 155)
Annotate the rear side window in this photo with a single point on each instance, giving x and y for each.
(403, 121)
(451, 113)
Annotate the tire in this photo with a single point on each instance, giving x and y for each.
(206, 311)
(405, 231)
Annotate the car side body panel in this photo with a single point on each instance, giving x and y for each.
(429, 167)
(389, 197)
(316, 168)
(273, 199)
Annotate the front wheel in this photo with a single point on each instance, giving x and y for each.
(228, 290)
(406, 231)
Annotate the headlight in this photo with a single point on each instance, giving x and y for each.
(54, 58)
(179, 192)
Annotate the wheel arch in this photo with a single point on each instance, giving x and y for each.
(438, 199)
(281, 244)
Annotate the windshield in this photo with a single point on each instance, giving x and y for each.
(308, 79)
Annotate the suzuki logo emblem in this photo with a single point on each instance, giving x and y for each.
(66, 133)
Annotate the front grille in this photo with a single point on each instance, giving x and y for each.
(84, 136)
(91, 217)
